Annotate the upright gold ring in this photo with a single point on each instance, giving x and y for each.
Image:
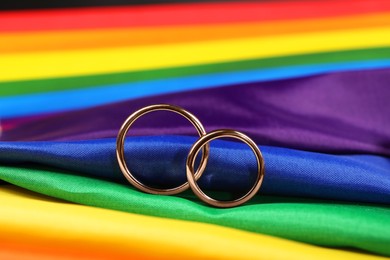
(120, 154)
(204, 140)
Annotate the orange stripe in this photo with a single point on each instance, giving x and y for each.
(37, 225)
(80, 39)
(48, 250)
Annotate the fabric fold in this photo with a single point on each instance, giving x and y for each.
(316, 222)
(88, 233)
(321, 113)
(160, 161)
(307, 80)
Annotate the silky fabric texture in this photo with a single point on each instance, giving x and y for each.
(362, 227)
(160, 161)
(68, 83)
(316, 222)
(83, 39)
(35, 65)
(161, 15)
(319, 113)
(58, 101)
(124, 235)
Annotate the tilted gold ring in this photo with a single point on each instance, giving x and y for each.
(121, 154)
(204, 140)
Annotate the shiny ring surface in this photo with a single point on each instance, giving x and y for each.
(204, 140)
(120, 154)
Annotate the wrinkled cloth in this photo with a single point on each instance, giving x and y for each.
(316, 222)
(30, 225)
(160, 161)
(335, 113)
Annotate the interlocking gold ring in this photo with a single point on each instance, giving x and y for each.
(204, 140)
(121, 154)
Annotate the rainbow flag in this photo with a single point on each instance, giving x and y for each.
(308, 81)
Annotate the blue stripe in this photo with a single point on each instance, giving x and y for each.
(160, 161)
(99, 95)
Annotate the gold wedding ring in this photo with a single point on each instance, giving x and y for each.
(121, 155)
(204, 141)
(201, 143)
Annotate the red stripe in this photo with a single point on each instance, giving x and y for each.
(205, 13)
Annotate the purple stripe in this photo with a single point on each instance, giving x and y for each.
(346, 112)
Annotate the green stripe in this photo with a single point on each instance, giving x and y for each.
(325, 223)
(68, 83)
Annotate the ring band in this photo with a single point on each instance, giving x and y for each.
(121, 154)
(204, 140)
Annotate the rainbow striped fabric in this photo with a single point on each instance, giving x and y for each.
(307, 80)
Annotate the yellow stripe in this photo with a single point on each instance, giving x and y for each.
(83, 62)
(38, 221)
